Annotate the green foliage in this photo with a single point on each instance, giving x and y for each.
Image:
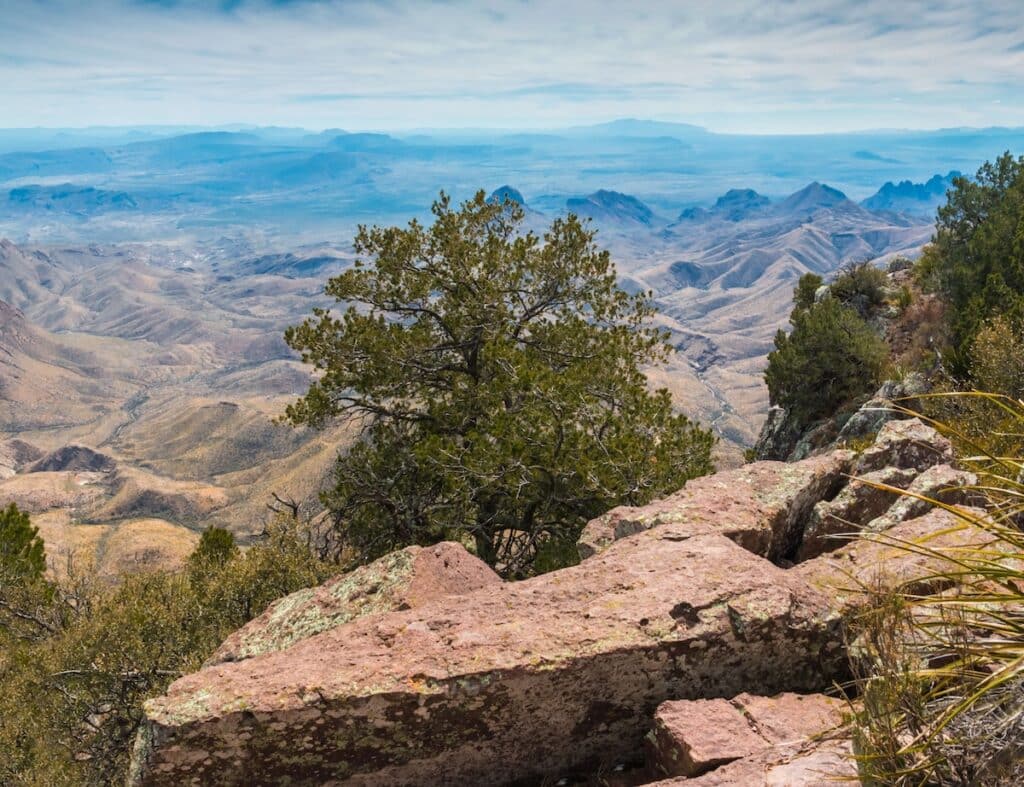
(977, 258)
(860, 286)
(981, 424)
(215, 548)
(997, 358)
(904, 297)
(21, 549)
(830, 358)
(806, 288)
(71, 702)
(497, 380)
(26, 596)
(941, 677)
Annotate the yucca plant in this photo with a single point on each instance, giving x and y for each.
(941, 676)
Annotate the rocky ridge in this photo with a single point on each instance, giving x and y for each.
(692, 599)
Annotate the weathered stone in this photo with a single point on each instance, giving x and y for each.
(694, 736)
(859, 502)
(761, 506)
(882, 407)
(816, 763)
(942, 483)
(510, 683)
(691, 737)
(405, 579)
(778, 435)
(909, 443)
(889, 560)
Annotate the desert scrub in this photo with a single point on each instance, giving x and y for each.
(79, 657)
(941, 676)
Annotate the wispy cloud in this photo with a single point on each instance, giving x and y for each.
(730, 64)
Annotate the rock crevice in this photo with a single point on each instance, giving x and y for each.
(691, 599)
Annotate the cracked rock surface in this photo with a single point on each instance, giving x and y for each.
(423, 668)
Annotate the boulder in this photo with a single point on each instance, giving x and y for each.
(694, 736)
(902, 557)
(761, 506)
(512, 683)
(909, 443)
(405, 579)
(813, 763)
(942, 483)
(691, 737)
(859, 502)
(882, 407)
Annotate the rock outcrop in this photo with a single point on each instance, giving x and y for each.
(761, 506)
(897, 478)
(882, 562)
(692, 737)
(860, 501)
(510, 683)
(400, 580)
(907, 444)
(693, 598)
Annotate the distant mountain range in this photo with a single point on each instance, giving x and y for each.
(919, 199)
(613, 211)
(178, 239)
(154, 270)
(289, 186)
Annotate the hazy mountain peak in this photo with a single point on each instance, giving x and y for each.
(737, 204)
(909, 197)
(812, 197)
(506, 193)
(611, 206)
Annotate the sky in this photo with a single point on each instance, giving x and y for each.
(746, 66)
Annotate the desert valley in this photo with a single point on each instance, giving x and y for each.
(436, 393)
(142, 382)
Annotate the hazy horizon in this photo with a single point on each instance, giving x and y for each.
(240, 126)
(733, 66)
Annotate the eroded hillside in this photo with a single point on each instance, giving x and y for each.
(169, 360)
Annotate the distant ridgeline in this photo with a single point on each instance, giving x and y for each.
(952, 322)
(314, 186)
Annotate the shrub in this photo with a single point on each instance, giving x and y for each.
(829, 359)
(904, 297)
(977, 258)
(860, 286)
(942, 676)
(806, 290)
(997, 358)
(71, 701)
(983, 424)
(21, 549)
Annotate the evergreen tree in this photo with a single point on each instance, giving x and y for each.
(22, 555)
(830, 358)
(976, 260)
(497, 380)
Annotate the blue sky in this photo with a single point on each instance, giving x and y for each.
(732, 65)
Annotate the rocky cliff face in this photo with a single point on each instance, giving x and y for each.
(696, 599)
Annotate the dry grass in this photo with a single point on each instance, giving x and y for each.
(942, 676)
